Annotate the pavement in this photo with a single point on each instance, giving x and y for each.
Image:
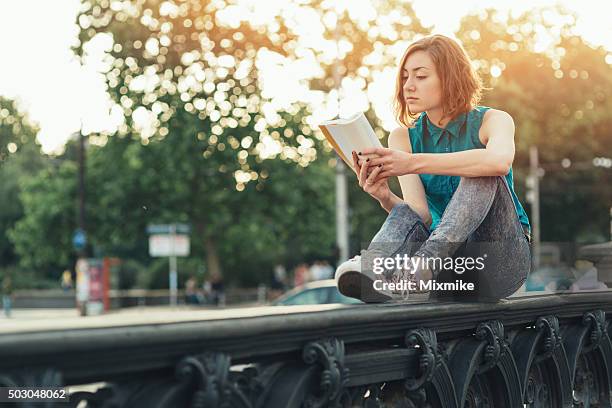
(44, 319)
(32, 320)
(37, 314)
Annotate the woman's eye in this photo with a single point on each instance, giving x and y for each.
(421, 77)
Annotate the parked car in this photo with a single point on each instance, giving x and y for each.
(315, 293)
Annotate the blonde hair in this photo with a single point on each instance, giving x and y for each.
(461, 85)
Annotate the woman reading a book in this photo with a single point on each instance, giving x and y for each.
(459, 219)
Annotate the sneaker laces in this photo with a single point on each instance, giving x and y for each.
(399, 276)
(419, 275)
(405, 276)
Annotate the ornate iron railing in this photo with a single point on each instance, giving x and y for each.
(541, 351)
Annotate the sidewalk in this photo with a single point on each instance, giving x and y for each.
(29, 320)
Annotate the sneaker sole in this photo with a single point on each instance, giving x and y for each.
(359, 286)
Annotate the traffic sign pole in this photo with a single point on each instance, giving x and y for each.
(173, 269)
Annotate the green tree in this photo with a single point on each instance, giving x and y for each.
(20, 158)
(560, 95)
(214, 137)
(42, 237)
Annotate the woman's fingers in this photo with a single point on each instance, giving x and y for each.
(380, 151)
(363, 174)
(362, 158)
(368, 174)
(371, 179)
(356, 165)
(383, 175)
(379, 160)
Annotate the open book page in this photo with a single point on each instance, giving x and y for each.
(353, 133)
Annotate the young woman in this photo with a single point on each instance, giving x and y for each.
(454, 163)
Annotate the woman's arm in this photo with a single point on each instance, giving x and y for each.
(495, 160)
(412, 188)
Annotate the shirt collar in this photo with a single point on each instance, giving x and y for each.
(453, 127)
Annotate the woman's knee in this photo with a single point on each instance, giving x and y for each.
(481, 182)
(405, 214)
(402, 225)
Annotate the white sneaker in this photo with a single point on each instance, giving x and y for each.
(354, 282)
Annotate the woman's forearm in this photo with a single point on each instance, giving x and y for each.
(393, 200)
(390, 202)
(468, 163)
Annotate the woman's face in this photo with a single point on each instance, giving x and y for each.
(421, 83)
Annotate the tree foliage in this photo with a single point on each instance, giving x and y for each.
(559, 93)
(20, 158)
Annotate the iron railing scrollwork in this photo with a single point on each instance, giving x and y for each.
(329, 354)
(549, 352)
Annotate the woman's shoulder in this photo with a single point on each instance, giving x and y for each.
(399, 138)
(398, 134)
(494, 119)
(492, 115)
(489, 112)
(405, 131)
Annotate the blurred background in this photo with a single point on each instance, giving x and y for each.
(173, 144)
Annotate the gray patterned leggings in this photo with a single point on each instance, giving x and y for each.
(479, 221)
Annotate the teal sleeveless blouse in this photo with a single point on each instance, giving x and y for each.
(460, 134)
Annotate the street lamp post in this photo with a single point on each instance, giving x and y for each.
(79, 239)
(81, 219)
(342, 222)
(533, 196)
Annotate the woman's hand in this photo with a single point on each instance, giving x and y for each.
(370, 180)
(394, 162)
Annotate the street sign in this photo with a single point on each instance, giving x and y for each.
(168, 229)
(169, 245)
(169, 240)
(79, 239)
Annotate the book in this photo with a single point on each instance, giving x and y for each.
(348, 134)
